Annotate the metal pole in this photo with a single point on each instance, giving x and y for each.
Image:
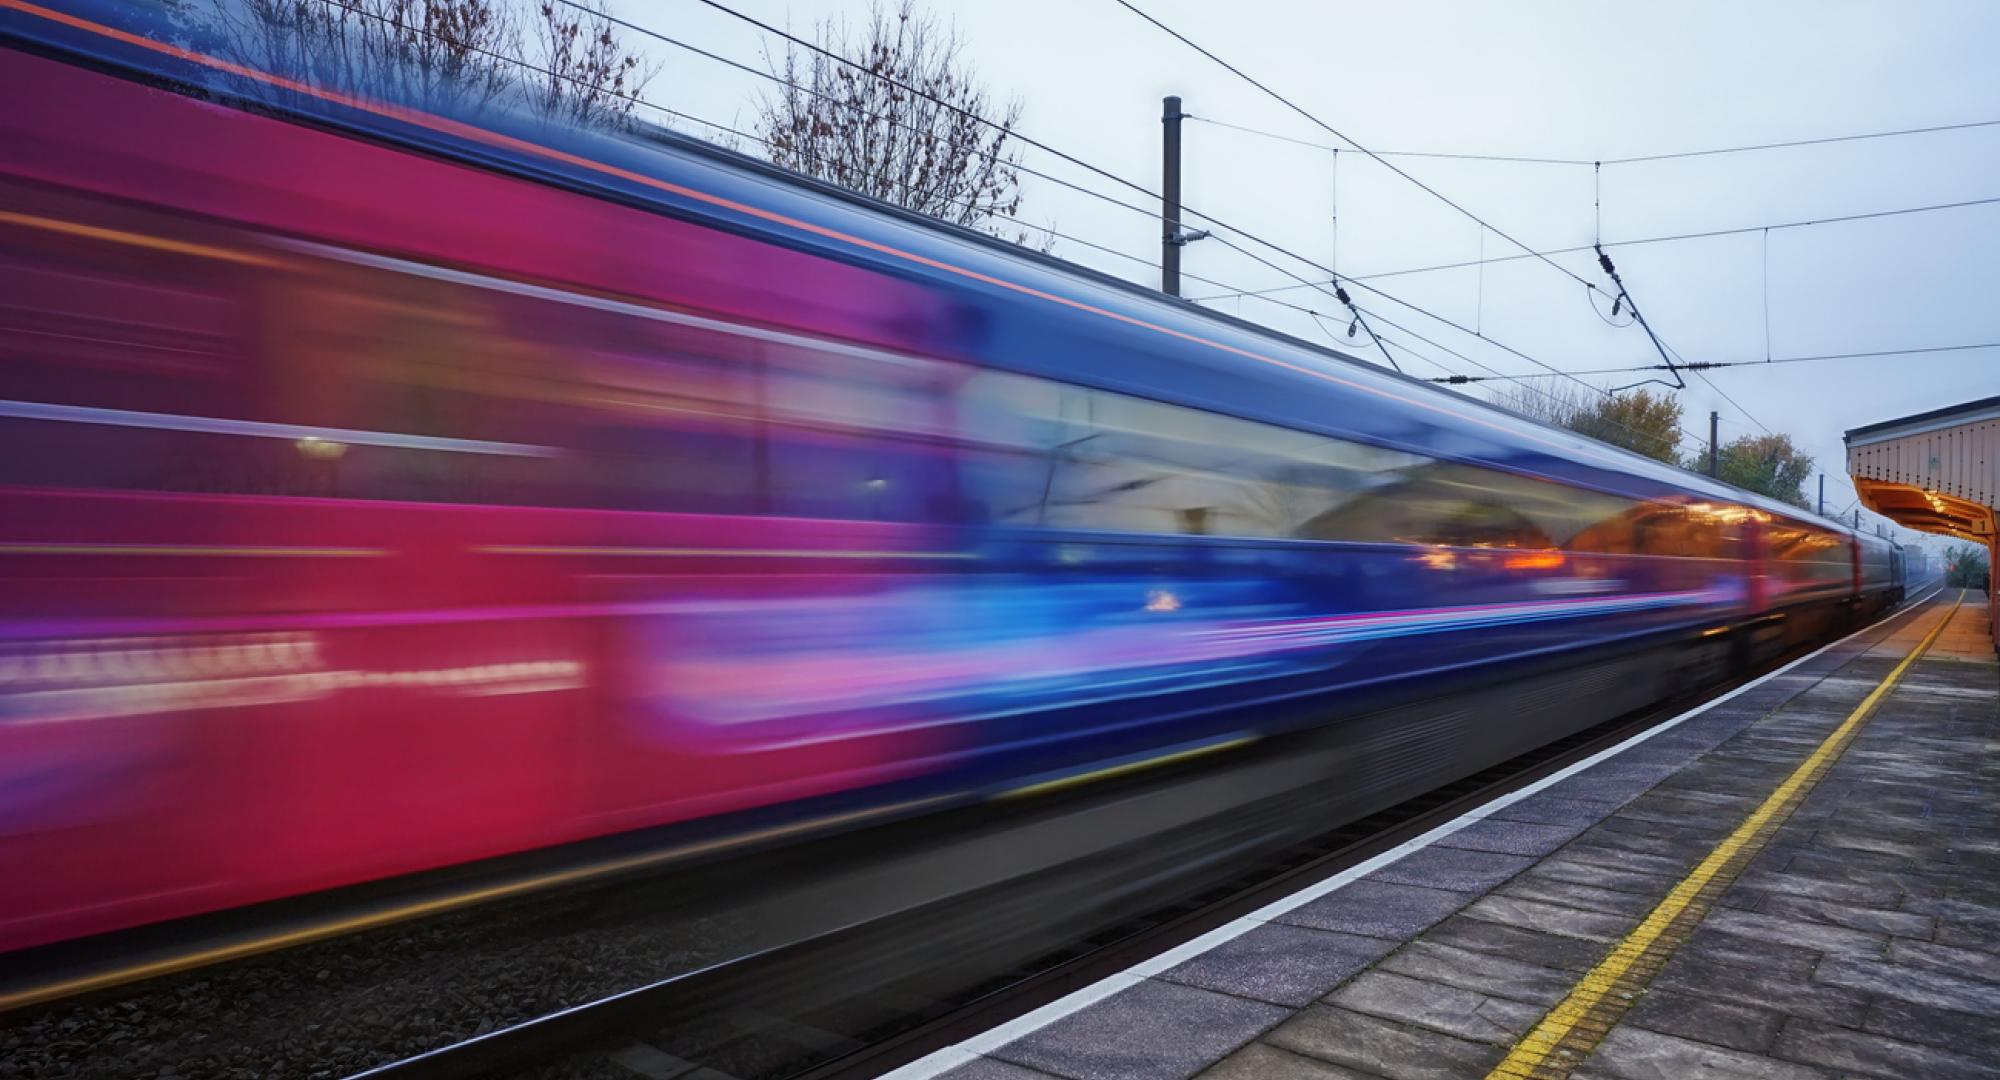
(1822, 494)
(1713, 469)
(1170, 197)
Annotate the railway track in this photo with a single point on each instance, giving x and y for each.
(865, 998)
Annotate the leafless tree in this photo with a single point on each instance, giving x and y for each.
(906, 121)
(449, 56)
(436, 55)
(587, 75)
(1556, 404)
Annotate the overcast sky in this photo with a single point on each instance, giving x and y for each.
(1581, 80)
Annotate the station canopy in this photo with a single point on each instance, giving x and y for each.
(1937, 472)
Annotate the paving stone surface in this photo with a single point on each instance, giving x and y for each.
(1706, 1019)
(1155, 1030)
(1382, 909)
(1454, 868)
(1864, 939)
(1631, 1052)
(1382, 1047)
(1494, 975)
(1467, 1014)
(1282, 964)
(987, 1068)
(1512, 837)
(1264, 1061)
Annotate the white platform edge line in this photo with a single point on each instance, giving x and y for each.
(951, 1057)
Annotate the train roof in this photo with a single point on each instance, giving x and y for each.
(1034, 312)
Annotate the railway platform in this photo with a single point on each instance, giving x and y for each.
(1799, 879)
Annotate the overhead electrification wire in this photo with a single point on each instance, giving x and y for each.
(1733, 403)
(738, 133)
(1372, 316)
(1686, 436)
(1712, 365)
(1334, 280)
(972, 117)
(1624, 296)
(1767, 293)
(1440, 196)
(756, 72)
(1335, 132)
(1706, 234)
(1375, 316)
(1623, 293)
(1803, 142)
(1339, 293)
(1309, 144)
(1187, 211)
(959, 111)
(1579, 162)
(1071, 185)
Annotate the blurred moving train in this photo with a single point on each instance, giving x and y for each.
(381, 492)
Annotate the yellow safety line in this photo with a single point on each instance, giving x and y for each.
(36, 995)
(132, 239)
(1060, 783)
(1580, 1021)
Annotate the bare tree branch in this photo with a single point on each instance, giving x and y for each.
(449, 56)
(921, 147)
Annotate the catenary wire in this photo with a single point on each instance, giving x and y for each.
(1578, 162)
(1495, 342)
(1370, 314)
(1187, 211)
(1803, 142)
(1359, 314)
(1715, 365)
(1623, 292)
(1309, 144)
(1331, 130)
(1686, 436)
(637, 100)
(1706, 234)
(1530, 252)
(756, 72)
(677, 114)
(1029, 141)
(1376, 316)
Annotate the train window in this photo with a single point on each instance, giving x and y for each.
(1014, 434)
(1808, 554)
(1659, 528)
(1043, 453)
(1457, 505)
